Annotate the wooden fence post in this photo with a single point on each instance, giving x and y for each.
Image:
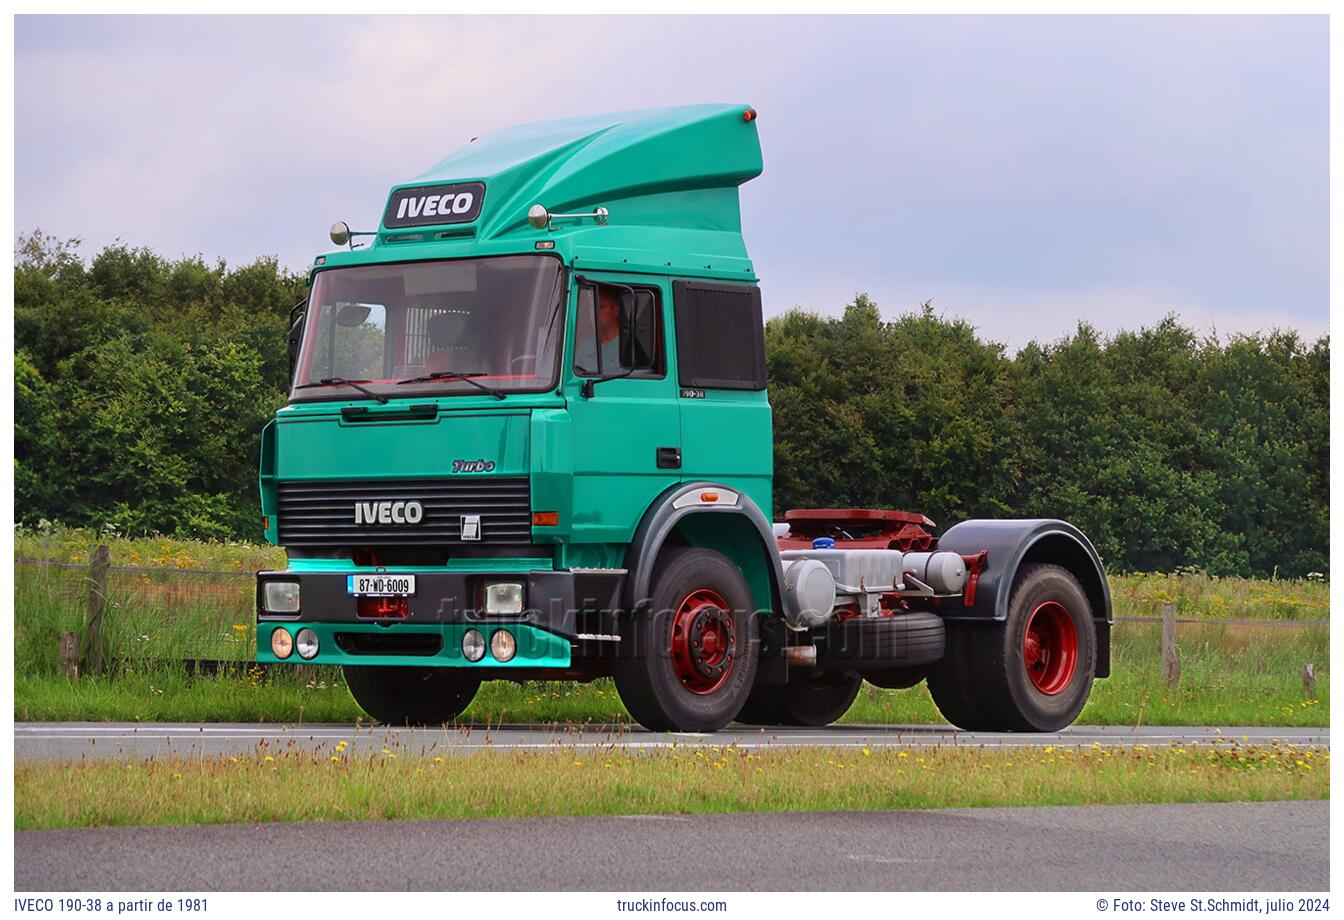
(1309, 681)
(70, 654)
(95, 643)
(1171, 662)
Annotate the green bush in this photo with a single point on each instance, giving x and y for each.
(142, 384)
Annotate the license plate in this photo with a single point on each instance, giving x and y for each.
(380, 585)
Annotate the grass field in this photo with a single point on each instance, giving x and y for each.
(331, 785)
(1231, 674)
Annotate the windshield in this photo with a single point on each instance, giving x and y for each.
(496, 320)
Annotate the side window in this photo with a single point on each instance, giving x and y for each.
(720, 335)
(611, 340)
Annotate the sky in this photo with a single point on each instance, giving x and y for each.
(1024, 173)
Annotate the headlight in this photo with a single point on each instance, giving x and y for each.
(504, 597)
(503, 645)
(306, 642)
(281, 643)
(281, 597)
(473, 645)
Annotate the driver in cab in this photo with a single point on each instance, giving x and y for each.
(606, 337)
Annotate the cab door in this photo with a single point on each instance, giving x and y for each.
(626, 431)
(725, 415)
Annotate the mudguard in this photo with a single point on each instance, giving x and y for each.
(661, 519)
(1013, 543)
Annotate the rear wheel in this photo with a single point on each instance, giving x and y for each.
(818, 697)
(411, 696)
(762, 707)
(1033, 671)
(688, 661)
(811, 697)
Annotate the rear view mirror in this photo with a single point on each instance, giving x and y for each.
(294, 338)
(352, 314)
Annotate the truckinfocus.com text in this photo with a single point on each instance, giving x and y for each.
(651, 905)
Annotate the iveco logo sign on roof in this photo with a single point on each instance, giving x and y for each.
(431, 205)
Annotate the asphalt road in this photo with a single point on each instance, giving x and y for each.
(77, 740)
(1266, 846)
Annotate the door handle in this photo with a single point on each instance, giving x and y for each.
(669, 458)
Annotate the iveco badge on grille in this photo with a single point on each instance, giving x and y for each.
(471, 527)
(388, 512)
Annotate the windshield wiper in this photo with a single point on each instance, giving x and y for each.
(455, 375)
(342, 382)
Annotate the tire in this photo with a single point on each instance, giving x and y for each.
(949, 680)
(901, 640)
(411, 696)
(762, 707)
(688, 660)
(1033, 672)
(818, 697)
(811, 697)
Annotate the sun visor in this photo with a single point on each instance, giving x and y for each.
(439, 278)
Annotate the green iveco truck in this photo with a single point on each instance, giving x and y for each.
(528, 438)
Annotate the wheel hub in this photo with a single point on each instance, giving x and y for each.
(704, 641)
(1050, 648)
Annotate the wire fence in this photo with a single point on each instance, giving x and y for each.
(203, 617)
(150, 613)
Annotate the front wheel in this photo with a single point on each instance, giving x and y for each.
(411, 696)
(1030, 673)
(688, 661)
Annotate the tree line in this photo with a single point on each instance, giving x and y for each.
(142, 384)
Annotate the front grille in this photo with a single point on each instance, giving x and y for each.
(322, 514)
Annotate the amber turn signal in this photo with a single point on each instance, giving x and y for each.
(545, 518)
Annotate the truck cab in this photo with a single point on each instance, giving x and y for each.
(528, 437)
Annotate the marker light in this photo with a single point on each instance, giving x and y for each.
(709, 497)
(545, 519)
(306, 642)
(504, 597)
(748, 114)
(281, 643)
(281, 597)
(473, 645)
(503, 645)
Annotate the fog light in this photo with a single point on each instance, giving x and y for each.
(504, 597)
(281, 597)
(473, 645)
(306, 641)
(281, 643)
(503, 645)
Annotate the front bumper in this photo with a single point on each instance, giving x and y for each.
(423, 645)
(445, 605)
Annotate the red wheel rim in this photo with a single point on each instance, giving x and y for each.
(703, 641)
(1050, 648)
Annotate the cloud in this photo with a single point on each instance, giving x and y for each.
(1030, 171)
